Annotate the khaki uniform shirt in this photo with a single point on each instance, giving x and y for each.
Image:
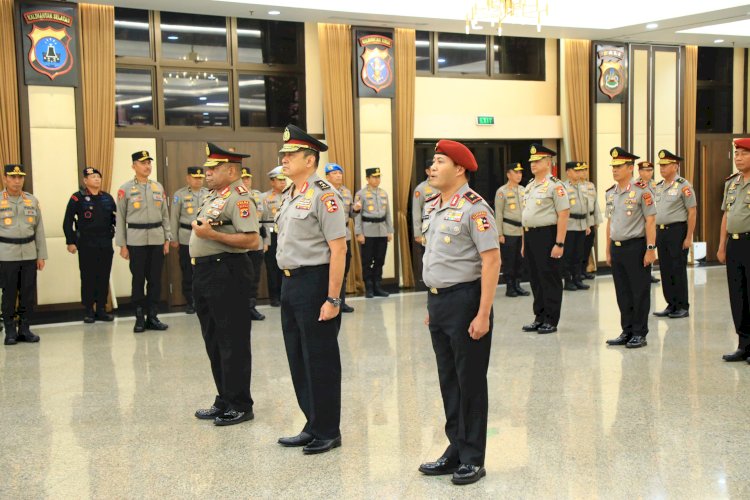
(673, 200)
(21, 217)
(736, 204)
(142, 204)
(594, 216)
(508, 206)
(650, 184)
(270, 202)
(307, 221)
(579, 206)
(421, 193)
(349, 212)
(234, 208)
(627, 211)
(185, 206)
(374, 205)
(542, 201)
(456, 234)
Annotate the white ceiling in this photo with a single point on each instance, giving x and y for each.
(698, 22)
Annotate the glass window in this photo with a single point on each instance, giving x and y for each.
(133, 97)
(519, 56)
(196, 98)
(269, 42)
(269, 101)
(462, 54)
(424, 51)
(195, 38)
(132, 33)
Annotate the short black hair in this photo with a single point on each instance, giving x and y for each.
(311, 152)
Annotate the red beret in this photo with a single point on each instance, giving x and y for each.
(457, 152)
(743, 143)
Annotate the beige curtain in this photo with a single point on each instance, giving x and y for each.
(688, 117)
(577, 80)
(98, 85)
(10, 140)
(335, 47)
(406, 71)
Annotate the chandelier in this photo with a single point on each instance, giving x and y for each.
(496, 12)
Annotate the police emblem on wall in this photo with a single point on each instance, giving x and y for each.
(50, 53)
(611, 62)
(375, 64)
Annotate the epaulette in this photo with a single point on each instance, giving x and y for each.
(473, 197)
(290, 186)
(432, 197)
(660, 182)
(611, 188)
(641, 184)
(323, 184)
(554, 179)
(680, 180)
(74, 198)
(242, 190)
(732, 176)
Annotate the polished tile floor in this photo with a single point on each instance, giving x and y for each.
(94, 411)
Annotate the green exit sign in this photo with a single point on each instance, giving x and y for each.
(485, 120)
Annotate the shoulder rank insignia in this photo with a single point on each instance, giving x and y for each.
(612, 187)
(472, 197)
(732, 176)
(242, 190)
(431, 197)
(660, 182)
(323, 184)
(641, 184)
(290, 186)
(680, 180)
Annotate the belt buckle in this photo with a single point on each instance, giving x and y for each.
(618, 243)
(526, 229)
(434, 291)
(735, 236)
(192, 260)
(287, 273)
(662, 226)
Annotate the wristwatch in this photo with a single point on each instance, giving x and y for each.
(336, 301)
(650, 247)
(560, 244)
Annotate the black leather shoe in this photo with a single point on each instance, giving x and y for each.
(104, 316)
(580, 285)
(666, 312)
(153, 323)
(140, 321)
(11, 340)
(623, 339)
(679, 313)
(275, 303)
(256, 315)
(209, 413)
(521, 291)
(738, 355)
(321, 445)
(379, 292)
(88, 316)
(25, 334)
(655, 280)
(546, 328)
(346, 308)
(301, 439)
(467, 474)
(368, 293)
(189, 309)
(570, 286)
(510, 291)
(439, 467)
(532, 327)
(588, 276)
(231, 417)
(11, 334)
(636, 342)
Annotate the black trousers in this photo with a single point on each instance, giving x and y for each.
(544, 273)
(187, 273)
(256, 260)
(632, 285)
(145, 266)
(588, 245)
(273, 273)
(95, 264)
(312, 350)
(575, 242)
(738, 279)
(346, 268)
(221, 291)
(673, 264)
(510, 254)
(462, 369)
(373, 258)
(18, 281)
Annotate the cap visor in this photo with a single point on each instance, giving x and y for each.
(213, 163)
(618, 163)
(538, 157)
(291, 148)
(197, 175)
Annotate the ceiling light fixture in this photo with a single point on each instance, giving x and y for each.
(274, 12)
(652, 26)
(719, 40)
(496, 12)
(173, 37)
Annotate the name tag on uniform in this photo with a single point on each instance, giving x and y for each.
(453, 215)
(29, 211)
(157, 196)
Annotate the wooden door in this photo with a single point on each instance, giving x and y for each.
(715, 165)
(183, 154)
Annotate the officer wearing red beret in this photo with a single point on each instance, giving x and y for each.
(461, 265)
(734, 246)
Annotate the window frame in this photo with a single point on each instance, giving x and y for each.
(154, 101)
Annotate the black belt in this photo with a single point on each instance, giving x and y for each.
(631, 241)
(512, 222)
(216, 257)
(591, 213)
(373, 219)
(17, 241)
(739, 236)
(291, 273)
(186, 226)
(542, 228)
(453, 288)
(148, 225)
(578, 216)
(667, 226)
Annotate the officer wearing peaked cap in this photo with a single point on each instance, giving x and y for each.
(593, 219)
(312, 253)
(335, 175)
(225, 229)
(422, 192)
(734, 246)
(631, 235)
(256, 255)
(461, 265)
(575, 238)
(510, 229)
(143, 235)
(271, 201)
(676, 215)
(185, 205)
(23, 250)
(545, 221)
(89, 226)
